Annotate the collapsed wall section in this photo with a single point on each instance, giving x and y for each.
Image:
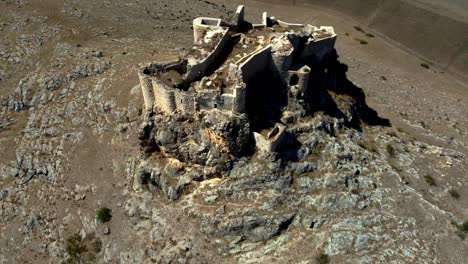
(319, 45)
(202, 25)
(201, 68)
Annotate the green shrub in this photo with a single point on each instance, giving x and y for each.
(74, 246)
(429, 180)
(391, 150)
(104, 215)
(454, 193)
(362, 41)
(369, 35)
(358, 28)
(322, 259)
(464, 227)
(83, 250)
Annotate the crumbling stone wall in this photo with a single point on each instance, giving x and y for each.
(147, 90)
(209, 78)
(185, 101)
(163, 96)
(315, 52)
(203, 24)
(239, 104)
(257, 62)
(199, 70)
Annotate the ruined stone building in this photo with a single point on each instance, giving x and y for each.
(238, 67)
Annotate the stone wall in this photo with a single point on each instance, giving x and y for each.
(206, 100)
(257, 62)
(199, 70)
(201, 25)
(185, 101)
(147, 90)
(315, 52)
(300, 77)
(163, 96)
(435, 30)
(239, 104)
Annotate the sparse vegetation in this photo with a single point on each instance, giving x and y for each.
(425, 65)
(362, 41)
(391, 150)
(464, 227)
(74, 247)
(430, 180)
(104, 215)
(370, 35)
(424, 125)
(346, 34)
(358, 28)
(83, 249)
(454, 193)
(383, 78)
(322, 259)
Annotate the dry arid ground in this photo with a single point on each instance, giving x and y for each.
(71, 107)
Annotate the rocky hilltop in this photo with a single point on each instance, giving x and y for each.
(354, 156)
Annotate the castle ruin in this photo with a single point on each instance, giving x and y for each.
(237, 67)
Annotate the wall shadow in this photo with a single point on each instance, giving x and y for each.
(265, 98)
(330, 91)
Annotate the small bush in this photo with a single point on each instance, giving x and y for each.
(429, 180)
(369, 35)
(464, 227)
(104, 215)
(74, 246)
(346, 34)
(362, 41)
(391, 150)
(424, 125)
(425, 65)
(454, 194)
(358, 28)
(383, 78)
(83, 250)
(322, 259)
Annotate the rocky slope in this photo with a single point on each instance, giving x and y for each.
(69, 125)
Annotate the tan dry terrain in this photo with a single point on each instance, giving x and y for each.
(68, 124)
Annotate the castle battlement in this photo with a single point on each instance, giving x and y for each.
(222, 70)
